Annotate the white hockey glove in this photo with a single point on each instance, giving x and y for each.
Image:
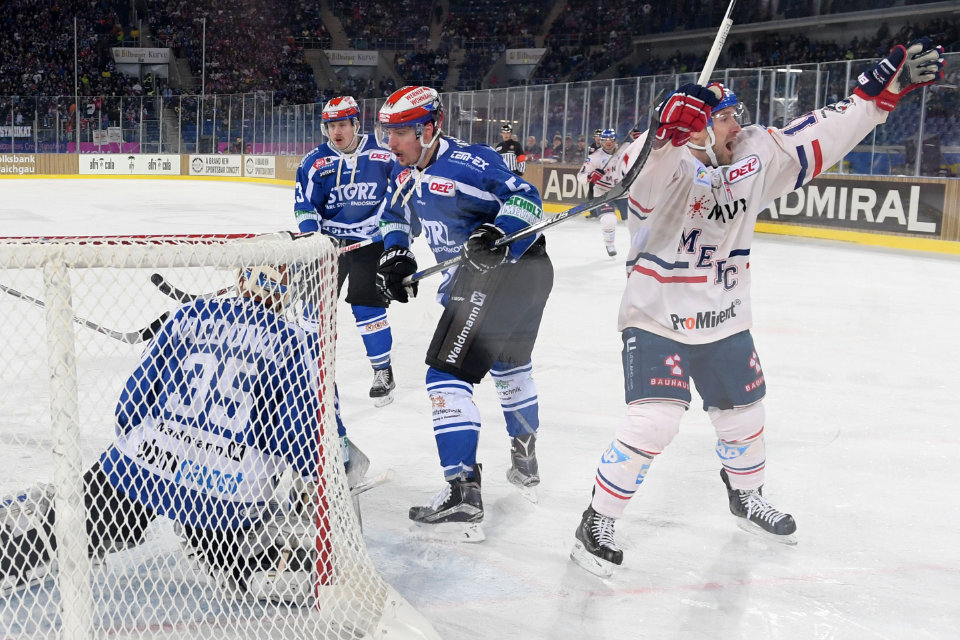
(903, 70)
(479, 251)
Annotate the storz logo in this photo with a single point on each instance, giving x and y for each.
(744, 169)
(380, 156)
(442, 187)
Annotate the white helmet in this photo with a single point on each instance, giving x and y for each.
(340, 108)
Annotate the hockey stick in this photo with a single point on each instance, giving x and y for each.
(617, 191)
(621, 188)
(171, 291)
(129, 337)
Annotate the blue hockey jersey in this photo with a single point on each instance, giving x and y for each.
(223, 400)
(466, 186)
(339, 194)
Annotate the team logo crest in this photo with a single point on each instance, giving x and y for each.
(700, 206)
(674, 363)
(755, 363)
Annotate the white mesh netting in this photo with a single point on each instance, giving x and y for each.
(180, 478)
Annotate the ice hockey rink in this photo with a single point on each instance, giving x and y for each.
(862, 362)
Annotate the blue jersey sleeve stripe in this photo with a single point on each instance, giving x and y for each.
(804, 165)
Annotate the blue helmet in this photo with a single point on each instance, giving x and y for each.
(608, 134)
(729, 99)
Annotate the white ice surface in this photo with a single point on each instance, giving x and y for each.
(862, 363)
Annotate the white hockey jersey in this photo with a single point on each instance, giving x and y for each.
(691, 226)
(608, 163)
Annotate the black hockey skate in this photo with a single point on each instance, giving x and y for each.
(382, 387)
(594, 548)
(759, 516)
(524, 473)
(611, 250)
(455, 513)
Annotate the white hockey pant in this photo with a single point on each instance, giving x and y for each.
(740, 444)
(645, 431)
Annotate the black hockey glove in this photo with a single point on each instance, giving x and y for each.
(903, 70)
(479, 251)
(395, 265)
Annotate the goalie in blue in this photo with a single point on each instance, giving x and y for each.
(224, 399)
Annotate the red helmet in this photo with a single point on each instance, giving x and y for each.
(412, 107)
(340, 108)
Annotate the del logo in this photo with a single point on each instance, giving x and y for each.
(442, 187)
(380, 156)
(319, 162)
(744, 169)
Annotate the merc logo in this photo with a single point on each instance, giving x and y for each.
(743, 169)
(442, 187)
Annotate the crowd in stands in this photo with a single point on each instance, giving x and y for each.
(243, 46)
(385, 24)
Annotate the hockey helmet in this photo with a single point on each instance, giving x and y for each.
(597, 132)
(608, 134)
(729, 99)
(507, 128)
(340, 108)
(412, 107)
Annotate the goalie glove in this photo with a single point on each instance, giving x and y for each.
(687, 111)
(479, 251)
(396, 264)
(903, 70)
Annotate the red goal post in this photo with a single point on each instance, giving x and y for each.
(59, 387)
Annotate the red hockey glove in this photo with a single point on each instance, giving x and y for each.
(595, 176)
(906, 68)
(686, 111)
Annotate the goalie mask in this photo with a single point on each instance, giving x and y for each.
(267, 284)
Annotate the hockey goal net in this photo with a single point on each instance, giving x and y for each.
(172, 469)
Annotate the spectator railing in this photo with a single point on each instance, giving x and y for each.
(920, 138)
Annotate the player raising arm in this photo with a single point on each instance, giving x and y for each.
(340, 185)
(685, 313)
(466, 198)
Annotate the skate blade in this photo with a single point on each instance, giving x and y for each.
(586, 560)
(383, 401)
(760, 532)
(449, 531)
(611, 252)
(528, 493)
(369, 483)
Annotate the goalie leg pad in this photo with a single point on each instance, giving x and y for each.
(740, 445)
(26, 538)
